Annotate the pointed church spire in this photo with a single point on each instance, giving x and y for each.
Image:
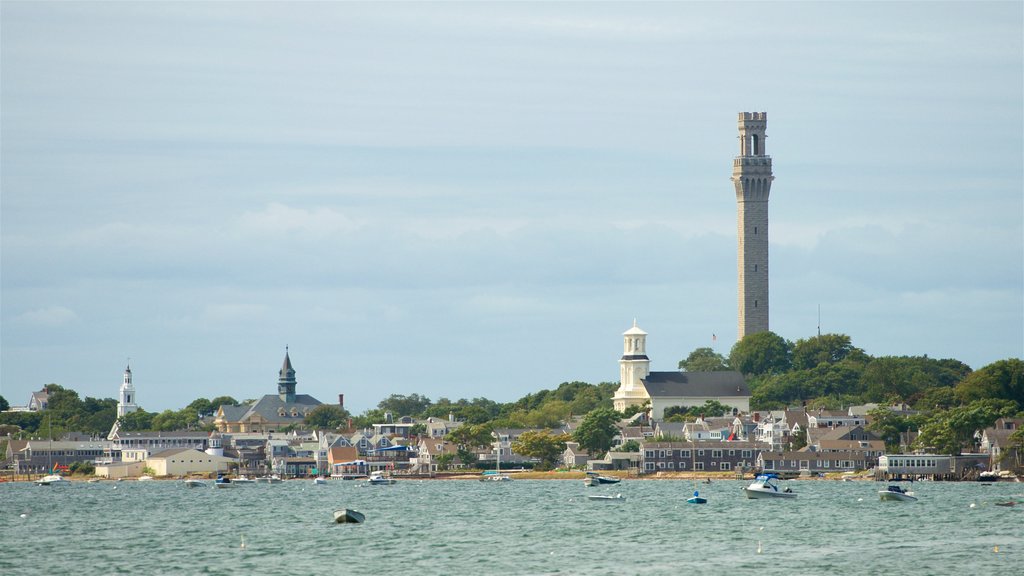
(286, 379)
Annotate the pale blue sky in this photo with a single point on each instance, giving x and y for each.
(477, 199)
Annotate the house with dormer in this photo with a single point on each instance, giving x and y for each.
(272, 412)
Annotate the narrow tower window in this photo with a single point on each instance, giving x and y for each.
(755, 145)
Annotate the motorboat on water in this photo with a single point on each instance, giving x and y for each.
(243, 479)
(597, 479)
(697, 498)
(766, 486)
(272, 479)
(193, 483)
(52, 480)
(223, 482)
(379, 479)
(319, 480)
(606, 497)
(145, 478)
(896, 494)
(348, 516)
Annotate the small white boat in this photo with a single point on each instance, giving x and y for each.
(348, 516)
(272, 479)
(896, 494)
(494, 476)
(145, 478)
(223, 482)
(766, 486)
(379, 479)
(193, 483)
(606, 497)
(52, 480)
(243, 479)
(319, 480)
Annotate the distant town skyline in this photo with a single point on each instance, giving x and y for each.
(477, 199)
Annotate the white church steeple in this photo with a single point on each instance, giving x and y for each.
(126, 398)
(634, 366)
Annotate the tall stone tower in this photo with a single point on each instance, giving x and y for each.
(126, 398)
(752, 177)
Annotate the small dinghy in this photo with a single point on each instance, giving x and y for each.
(606, 498)
(697, 499)
(348, 516)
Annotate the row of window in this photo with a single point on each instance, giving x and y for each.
(912, 462)
(697, 466)
(651, 454)
(805, 464)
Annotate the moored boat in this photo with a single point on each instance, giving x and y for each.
(193, 483)
(379, 479)
(319, 480)
(223, 482)
(606, 497)
(896, 494)
(697, 499)
(596, 479)
(272, 479)
(52, 480)
(766, 486)
(348, 516)
(243, 479)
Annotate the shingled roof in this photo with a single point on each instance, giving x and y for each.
(675, 384)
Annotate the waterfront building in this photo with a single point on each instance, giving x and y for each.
(752, 179)
(637, 384)
(185, 462)
(699, 456)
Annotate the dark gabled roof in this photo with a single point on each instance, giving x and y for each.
(673, 384)
(268, 407)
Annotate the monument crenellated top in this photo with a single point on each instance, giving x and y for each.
(762, 116)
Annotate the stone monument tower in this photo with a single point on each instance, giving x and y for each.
(752, 177)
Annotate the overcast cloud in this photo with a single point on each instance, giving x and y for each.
(477, 199)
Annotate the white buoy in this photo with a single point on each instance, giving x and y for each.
(973, 505)
(758, 546)
(860, 499)
(23, 515)
(243, 541)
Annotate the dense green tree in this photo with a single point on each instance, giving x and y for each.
(888, 425)
(709, 409)
(202, 407)
(543, 445)
(634, 409)
(596, 430)
(761, 353)
(169, 420)
(1003, 379)
(798, 439)
(219, 401)
(951, 431)
(704, 360)
(472, 435)
(908, 377)
(137, 421)
(28, 422)
(368, 418)
(326, 417)
(825, 349)
(401, 405)
(940, 398)
(4, 405)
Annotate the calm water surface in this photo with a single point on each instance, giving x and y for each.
(519, 527)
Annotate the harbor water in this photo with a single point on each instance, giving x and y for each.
(521, 527)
